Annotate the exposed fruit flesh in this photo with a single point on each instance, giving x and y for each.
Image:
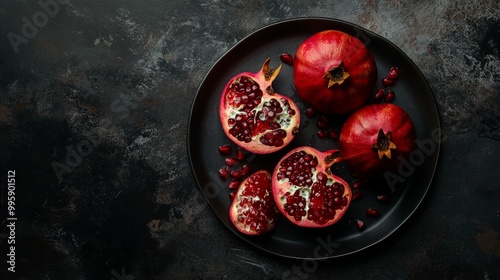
(253, 210)
(306, 191)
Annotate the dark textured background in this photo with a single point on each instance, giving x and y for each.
(103, 92)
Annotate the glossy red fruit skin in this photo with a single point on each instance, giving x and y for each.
(264, 77)
(317, 55)
(360, 132)
(326, 159)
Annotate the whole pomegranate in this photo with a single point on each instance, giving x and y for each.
(306, 191)
(334, 72)
(253, 210)
(374, 138)
(255, 117)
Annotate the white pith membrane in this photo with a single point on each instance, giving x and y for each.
(304, 191)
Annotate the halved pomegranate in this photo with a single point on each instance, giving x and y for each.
(375, 139)
(253, 210)
(334, 72)
(306, 191)
(255, 117)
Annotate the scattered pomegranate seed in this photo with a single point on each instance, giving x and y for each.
(240, 154)
(356, 195)
(245, 169)
(310, 112)
(387, 82)
(286, 58)
(321, 134)
(383, 198)
(360, 225)
(234, 184)
(371, 212)
(334, 135)
(357, 184)
(223, 173)
(225, 149)
(390, 96)
(380, 94)
(230, 161)
(236, 174)
(322, 125)
(393, 73)
(232, 195)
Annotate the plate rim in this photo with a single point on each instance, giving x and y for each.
(327, 20)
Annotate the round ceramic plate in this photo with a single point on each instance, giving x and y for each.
(343, 238)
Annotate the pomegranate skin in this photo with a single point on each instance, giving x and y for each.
(361, 131)
(318, 55)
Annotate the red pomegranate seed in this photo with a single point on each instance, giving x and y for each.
(225, 149)
(245, 169)
(310, 112)
(387, 82)
(232, 195)
(321, 134)
(360, 225)
(356, 195)
(230, 161)
(241, 154)
(236, 174)
(234, 184)
(286, 58)
(322, 125)
(390, 96)
(393, 73)
(371, 212)
(224, 173)
(334, 135)
(379, 96)
(357, 184)
(383, 198)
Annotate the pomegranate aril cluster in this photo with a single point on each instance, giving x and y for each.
(325, 200)
(235, 167)
(257, 204)
(385, 94)
(325, 131)
(371, 212)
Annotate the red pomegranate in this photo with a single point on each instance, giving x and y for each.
(306, 191)
(253, 210)
(334, 72)
(375, 139)
(255, 117)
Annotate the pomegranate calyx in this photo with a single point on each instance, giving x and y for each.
(270, 73)
(332, 158)
(384, 144)
(336, 75)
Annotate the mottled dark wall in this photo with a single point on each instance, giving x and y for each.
(93, 117)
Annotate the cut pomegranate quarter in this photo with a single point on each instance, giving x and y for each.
(253, 210)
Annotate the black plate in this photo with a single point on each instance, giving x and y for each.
(412, 93)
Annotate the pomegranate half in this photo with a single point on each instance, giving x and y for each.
(375, 139)
(253, 116)
(306, 191)
(334, 72)
(253, 210)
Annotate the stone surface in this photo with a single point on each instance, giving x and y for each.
(95, 98)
